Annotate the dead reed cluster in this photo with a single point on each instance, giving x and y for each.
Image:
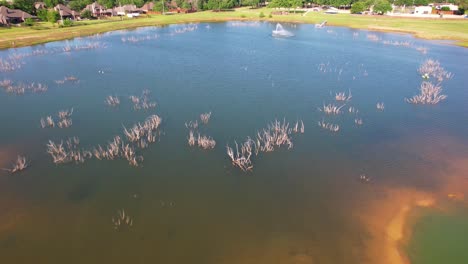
(397, 43)
(67, 152)
(140, 135)
(9, 64)
(112, 100)
(122, 220)
(241, 158)
(143, 134)
(329, 126)
(275, 135)
(185, 29)
(341, 96)
(202, 141)
(143, 101)
(205, 117)
(134, 39)
(373, 37)
(64, 119)
(19, 165)
(243, 24)
(88, 46)
(432, 69)
(429, 92)
(331, 109)
(67, 79)
(22, 88)
(380, 106)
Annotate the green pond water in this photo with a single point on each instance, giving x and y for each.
(440, 237)
(190, 205)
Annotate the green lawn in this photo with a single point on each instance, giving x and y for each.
(443, 29)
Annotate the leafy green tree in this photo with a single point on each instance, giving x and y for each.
(86, 14)
(252, 3)
(25, 5)
(52, 3)
(78, 5)
(53, 16)
(42, 14)
(382, 6)
(358, 7)
(421, 2)
(107, 3)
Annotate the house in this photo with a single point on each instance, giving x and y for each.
(66, 13)
(147, 7)
(439, 6)
(12, 16)
(40, 5)
(96, 9)
(422, 10)
(126, 9)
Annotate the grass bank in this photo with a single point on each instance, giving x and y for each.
(438, 29)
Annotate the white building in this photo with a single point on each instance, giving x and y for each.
(423, 10)
(439, 6)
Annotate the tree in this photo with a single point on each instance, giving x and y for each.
(78, 5)
(382, 6)
(86, 14)
(358, 7)
(42, 14)
(53, 16)
(107, 3)
(25, 5)
(52, 3)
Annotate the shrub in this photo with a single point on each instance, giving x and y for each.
(243, 16)
(42, 14)
(261, 15)
(445, 8)
(86, 14)
(358, 7)
(67, 23)
(28, 22)
(270, 15)
(53, 16)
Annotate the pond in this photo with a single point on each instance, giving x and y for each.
(335, 194)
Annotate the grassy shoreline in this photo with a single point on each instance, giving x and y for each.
(434, 29)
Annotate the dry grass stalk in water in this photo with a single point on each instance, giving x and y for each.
(380, 106)
(191, 139)
(22, 88)
(358, 121)
(431, 68)
(69, 152)
(276, 134)
(341, 96)
(122, 220)
(353, 110)
(331, 109)
(19, 165)
(191, 124)
(70, 78)
(429, 94)
(112, 100)
(241, 158)
(143, 101)
(373, 37)
(329, 126)
(205, 142)
(205, 118)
